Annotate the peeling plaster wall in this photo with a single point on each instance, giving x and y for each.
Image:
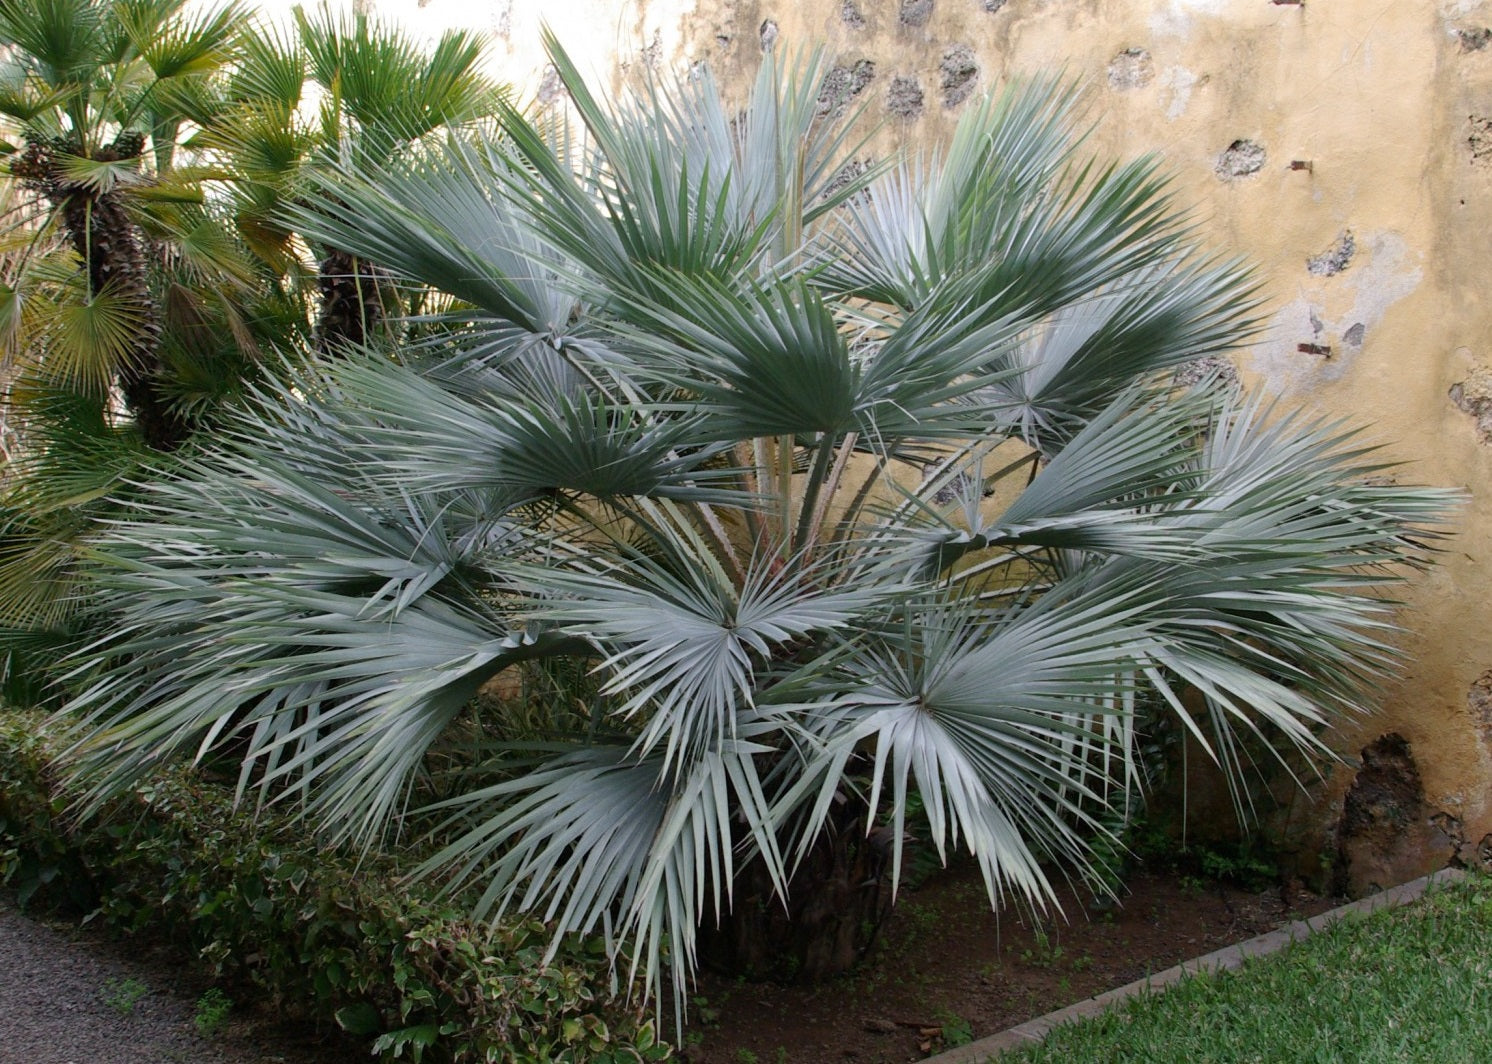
(1344, 147)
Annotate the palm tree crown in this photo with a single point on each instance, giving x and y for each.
(843, 484)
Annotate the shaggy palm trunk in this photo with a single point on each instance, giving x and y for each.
(352, 291)
(112, 249)
(837, 899)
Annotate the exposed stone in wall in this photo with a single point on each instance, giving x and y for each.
(1473, 396)
(843, 83)
(847, 173)
(915, 12)
(1211, 368)
(992, 6)
(768, 34)
(1387, 834)
(850, 15)
(904, 97)
(550, 86)
(960, 74)
(1334, 259)
(1479, 703)
(1354, 335)
(1484, 854)
(652, 54)
(1474, 40)
(1242, 158)
(1131, 69)
(502, 22)
(1479, 138)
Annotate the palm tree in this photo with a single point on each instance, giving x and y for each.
(103, 91)
(127, 314)
(143, 254)
(846, 489)
(379, 93)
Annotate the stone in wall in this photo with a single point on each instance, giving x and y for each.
(1388, 834)
(1479, 704)
(960, 74)
(915, 12)
(1473, 397)
(850, 15)
(550, 86)
(768, 34)
(904, 98)
(1334, 259)
(1479, 138)
(842, 84)
(1242, 158)
(1474, 40)
(847, 173)
(1131, 69)
(1212, 369)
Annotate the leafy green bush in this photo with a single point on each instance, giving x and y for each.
(322, 932)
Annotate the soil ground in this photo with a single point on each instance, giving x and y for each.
(946, 969)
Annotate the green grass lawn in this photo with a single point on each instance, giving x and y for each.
(1410, 984)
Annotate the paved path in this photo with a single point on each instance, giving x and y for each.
(55, 992)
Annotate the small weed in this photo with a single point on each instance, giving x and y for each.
(956, 1031)
(1044, 953)
(920, 919)
(707, 1014)
(212, 1012)
(780, 1057)
(745, 1056)
(122, 995)
(1239, 865)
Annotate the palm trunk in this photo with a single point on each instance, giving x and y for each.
(837, 900)
(352, 291)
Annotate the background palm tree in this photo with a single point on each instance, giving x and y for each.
(126, 309)
(102, 91)
(376, 93)
(144, 257)
(845, 488)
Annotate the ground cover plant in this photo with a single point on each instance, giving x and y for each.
(823, 495)
(1410, 984)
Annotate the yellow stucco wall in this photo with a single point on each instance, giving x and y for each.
(1384, 107)
(1379, 106)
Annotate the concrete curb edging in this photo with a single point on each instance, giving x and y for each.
(978, 1052)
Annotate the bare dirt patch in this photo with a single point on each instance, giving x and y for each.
(947, 969)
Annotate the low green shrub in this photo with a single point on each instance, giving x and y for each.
(323, 933)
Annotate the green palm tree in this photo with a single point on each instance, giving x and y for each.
(102, 92)
(378, 93)
(143, 254)
(844, 488)
(127, 312)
